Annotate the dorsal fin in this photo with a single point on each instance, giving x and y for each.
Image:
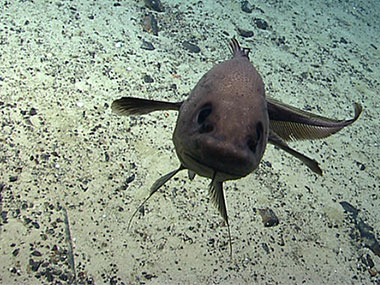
(236, 50)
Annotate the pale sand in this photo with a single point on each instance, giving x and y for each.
(70, 59)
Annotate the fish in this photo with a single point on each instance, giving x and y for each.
(225, 124)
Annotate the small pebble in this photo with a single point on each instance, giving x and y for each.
(130, 179)
(261, 24)
(147, 45)
(34, 265)
(36, 225)
(154, 5)
(16, 252)
(191, 47)
(150, 25)
(13, 179)
(32, 111)
(36, 253)
(246, 7)
(245, 33)
(269, 217)
(148, 79)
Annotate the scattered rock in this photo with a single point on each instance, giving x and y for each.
(147, 45)
(269, 217)
(32, 111)
(36, 253)
(191, 47)
(16, 252)
(34, 265)
(261, 24)
(130, 179)
(366, 231)
(150, 25)
(154, 5)
(245, 33)
(13, 179)
(367, 261)
(148, 79)
(246, 7)
(343, 41)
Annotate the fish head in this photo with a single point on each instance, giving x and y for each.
(222, 129)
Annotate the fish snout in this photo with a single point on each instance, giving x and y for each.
(238, 158)
(227, 146)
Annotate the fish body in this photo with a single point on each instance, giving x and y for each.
(224, 126)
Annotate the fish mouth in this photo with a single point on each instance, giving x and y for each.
(202, 168)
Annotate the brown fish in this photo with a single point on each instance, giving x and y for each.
(225, 124)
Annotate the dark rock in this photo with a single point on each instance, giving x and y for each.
(148, 79)
(261, 24)
(34, 265)
(147, 45)
(15, 252)
(36, 253)
(265, 247)
(245, 33)
(32, 112)
(36, 225)
(13, 179)
(130, 179)
(4, 215)
(269, 217)
(246, 7)
(63, 277)
(191, 47)
(367, 261)
(150, 25)
(154, 5)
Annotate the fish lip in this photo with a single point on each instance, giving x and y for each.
(230, 174)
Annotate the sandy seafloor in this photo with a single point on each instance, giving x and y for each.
(62, 63)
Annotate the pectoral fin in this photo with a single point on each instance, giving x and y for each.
(277, 141)
(127, 106)
(291, 123)
(156, 185)
(162, 180)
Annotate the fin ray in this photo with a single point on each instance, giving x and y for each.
(156, 185)
(291, 123)
(127, 106)
(311, 163)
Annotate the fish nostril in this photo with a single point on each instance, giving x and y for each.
(206, 128)
(205, 111)
(259, 131)
(253, 142)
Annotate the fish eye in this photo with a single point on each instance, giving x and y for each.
(204, 113)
